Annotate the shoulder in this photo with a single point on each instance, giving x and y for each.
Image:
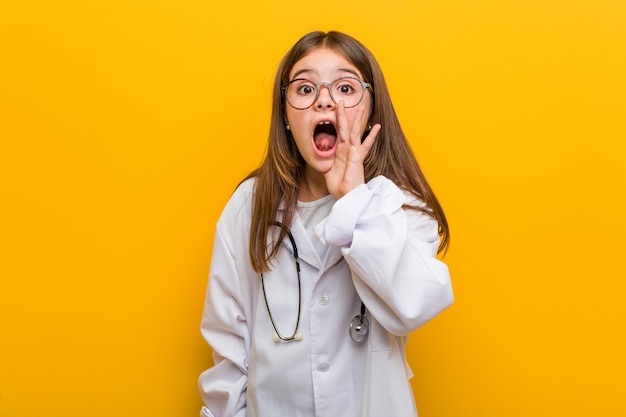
(244, 191)
(420, 222)
(238, 209)
(389, 190)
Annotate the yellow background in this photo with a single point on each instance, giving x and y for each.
(126, 124)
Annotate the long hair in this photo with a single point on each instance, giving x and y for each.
(278, 179)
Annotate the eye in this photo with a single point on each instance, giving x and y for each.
(345, 87)
(306, 89)
(303, 87)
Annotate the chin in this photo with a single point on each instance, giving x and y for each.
(322, 166)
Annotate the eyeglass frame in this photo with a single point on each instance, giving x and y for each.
(318, 87)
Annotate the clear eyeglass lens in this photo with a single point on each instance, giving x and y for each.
(302, 93)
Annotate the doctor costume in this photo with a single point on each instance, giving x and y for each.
(363, 248)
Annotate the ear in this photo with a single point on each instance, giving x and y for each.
(286, 124)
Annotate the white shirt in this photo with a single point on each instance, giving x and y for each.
(378, 253)
(311, 213)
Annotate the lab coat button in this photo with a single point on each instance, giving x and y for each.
(324, 299)
(323, 367)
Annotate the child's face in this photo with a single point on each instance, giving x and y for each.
(317, 143)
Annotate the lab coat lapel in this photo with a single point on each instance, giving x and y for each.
(306, 251)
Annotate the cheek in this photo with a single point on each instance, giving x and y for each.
(292, 120)
(370, 108)
(298, 123)
(287, 117)
(362, 123)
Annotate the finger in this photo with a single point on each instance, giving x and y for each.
(355, 136)
(369, 140)
(343, 133)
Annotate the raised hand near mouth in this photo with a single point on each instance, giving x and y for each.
(347, 172)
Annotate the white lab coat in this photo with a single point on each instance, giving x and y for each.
(379, 253)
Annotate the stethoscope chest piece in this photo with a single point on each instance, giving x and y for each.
(359, 328)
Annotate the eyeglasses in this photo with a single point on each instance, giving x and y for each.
(302, 93)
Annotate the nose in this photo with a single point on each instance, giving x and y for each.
(323, 98)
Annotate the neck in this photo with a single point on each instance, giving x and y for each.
(313, 186)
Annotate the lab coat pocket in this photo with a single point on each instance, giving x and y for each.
(379, 338)
(387, 389)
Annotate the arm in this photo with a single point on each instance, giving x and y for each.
(391, 252)
(225, 324)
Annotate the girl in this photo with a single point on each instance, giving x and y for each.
(325, 256)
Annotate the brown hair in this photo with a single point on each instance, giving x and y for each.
(280, 174)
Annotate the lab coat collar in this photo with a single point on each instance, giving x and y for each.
(306, 251)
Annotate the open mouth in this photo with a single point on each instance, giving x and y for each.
(325, 136)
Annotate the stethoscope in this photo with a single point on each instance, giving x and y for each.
(359, 325)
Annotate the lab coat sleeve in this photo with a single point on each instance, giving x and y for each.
(225, 326)
(391, 252)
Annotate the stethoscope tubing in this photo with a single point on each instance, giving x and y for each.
(295, 335)
(358, 328)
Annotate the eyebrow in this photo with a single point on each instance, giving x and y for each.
(310, 71)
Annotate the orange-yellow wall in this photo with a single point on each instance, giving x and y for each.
(126, 124)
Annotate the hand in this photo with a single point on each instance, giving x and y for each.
(347, 172)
